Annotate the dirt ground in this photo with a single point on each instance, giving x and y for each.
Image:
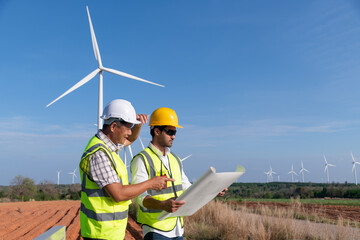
(328, 211)
(27, 220)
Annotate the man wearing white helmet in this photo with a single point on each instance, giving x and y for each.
(105, 192)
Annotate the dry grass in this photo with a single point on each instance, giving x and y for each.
(219, 220)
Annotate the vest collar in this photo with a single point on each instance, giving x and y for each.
(157, 151)
(112, 146)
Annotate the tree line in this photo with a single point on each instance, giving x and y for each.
(24, 189)
(286, 190)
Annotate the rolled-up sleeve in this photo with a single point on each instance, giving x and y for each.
(185, 181)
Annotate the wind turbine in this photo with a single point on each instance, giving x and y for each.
(58, 172)
(354, 162)
(270, 174)
(99, 70)
(292, 173)
(302, 170)
(73, 175)
(327, 169)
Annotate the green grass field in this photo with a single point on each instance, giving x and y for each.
(344, 202)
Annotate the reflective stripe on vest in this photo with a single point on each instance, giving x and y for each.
(100, 216)
(104, 216)
(154, 165)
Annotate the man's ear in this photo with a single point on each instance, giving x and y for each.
(157, 131)
(112, 126)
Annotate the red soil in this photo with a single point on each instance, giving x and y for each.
(27, 220)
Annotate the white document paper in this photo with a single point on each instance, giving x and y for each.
(202, 191)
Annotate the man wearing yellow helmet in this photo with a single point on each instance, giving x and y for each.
(158, 160)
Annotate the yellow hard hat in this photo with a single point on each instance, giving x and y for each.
(164, 117)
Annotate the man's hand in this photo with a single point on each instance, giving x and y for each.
(143, 118)
(171, 205)
(158, 183)
(220, 194)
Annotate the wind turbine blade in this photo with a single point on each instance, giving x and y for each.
(77, 85)
(130, 151)
(128, 76)
(306, 170)
(352, 156)
(186, 158)
(142, 145)
(325, 159)
(93, 39)
(331, 165)
(353, 168)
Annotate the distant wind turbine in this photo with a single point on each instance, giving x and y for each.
(302, 170)
(270, 174)
(73, 175)
(354, 162)
(292, 173)
(327, 169)
(58, 172)
(99, 70)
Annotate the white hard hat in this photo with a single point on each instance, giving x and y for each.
(120, 109)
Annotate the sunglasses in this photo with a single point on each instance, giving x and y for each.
(170, 132)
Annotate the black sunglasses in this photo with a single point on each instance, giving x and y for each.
(169, 132)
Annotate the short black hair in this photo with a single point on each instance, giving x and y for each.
(152, 129)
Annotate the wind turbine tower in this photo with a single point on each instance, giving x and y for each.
(99, 70)
(354, 162)
(327, 165)
(292, 173)
(58, 173)
(302, 170)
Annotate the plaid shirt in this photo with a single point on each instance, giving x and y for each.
(101, 171)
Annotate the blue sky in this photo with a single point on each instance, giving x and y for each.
(254, 83)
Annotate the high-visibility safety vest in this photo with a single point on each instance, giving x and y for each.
(100, 216)
(155, 167)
